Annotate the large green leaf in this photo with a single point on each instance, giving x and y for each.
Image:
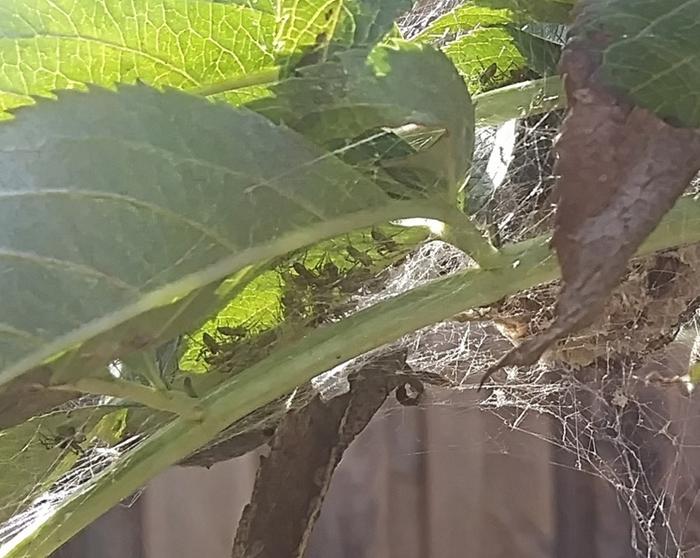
(651, 52)
(47, 45)
(177, 193)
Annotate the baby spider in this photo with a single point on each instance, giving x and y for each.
(357, 257)
(66, 437)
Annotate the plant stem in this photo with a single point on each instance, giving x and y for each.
(460, 231)
(519, 100)
(263, 77)
(319, 351)
(170, 401)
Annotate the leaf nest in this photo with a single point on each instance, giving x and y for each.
(644, 313)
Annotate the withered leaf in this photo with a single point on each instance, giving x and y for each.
(620, 169)
(307, 446)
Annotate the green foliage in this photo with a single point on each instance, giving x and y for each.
(493, 42)
(180, 215)
(486, 57)
(651, 53)
(304, 290)
(214, 248)
(47, 45)
(308, 30)
(541, 54)
(360, 91)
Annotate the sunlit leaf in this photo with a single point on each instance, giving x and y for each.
(486, 57)
(315, 24)
(475, 14)
(47, 45)
(464, 18)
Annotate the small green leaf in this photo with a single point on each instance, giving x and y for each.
(652, 52)
(465, 17)
(46, 45)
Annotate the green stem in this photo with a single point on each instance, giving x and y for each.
(170, 401)
(263, 77)
(519, 100)
(460, 231)
(319, 351)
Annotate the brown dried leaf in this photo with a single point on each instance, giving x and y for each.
(305, 450)
(620, 168)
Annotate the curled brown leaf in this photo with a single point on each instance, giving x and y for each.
(620, 169)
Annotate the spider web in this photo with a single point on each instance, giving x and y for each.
(628, 418)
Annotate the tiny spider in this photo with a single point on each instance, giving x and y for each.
(66, 437)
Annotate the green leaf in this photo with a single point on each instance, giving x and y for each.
(652, 52)
(360, 90)
(541, 55)
(47, 45)
(317, 23)
(259, 308)
(267, 6)
(465, 17)
(305, 23)
(475, 14)
(366, 22)
(177, 194)
(549, 11)
(483, 52)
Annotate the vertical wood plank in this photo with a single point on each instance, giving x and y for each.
(193, 512)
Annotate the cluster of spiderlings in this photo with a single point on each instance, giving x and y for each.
(492, 77)
(231, 349)
(322, 292)
(313, 295)
(316, 287)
